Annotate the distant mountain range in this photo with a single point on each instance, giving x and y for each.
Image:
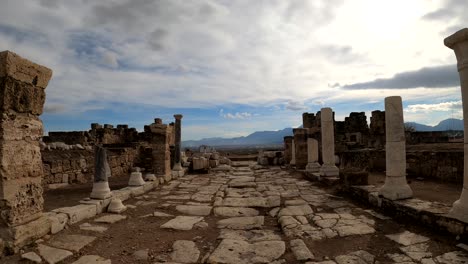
(276, 137)
(447, 124)
(256, 138)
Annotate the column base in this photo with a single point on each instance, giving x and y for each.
(116, 206)
(460, 207)
(329, 171)
(136, 179)
(396, 188)
(101, 190)
(313, 167)
(177, 167)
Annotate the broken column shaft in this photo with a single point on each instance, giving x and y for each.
(178, 136)
(459, 43)
(328, 144)
(395, 187)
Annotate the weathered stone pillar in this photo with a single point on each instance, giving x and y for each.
(300, 140)
(328, 144)
(293, 153)
(395, 187)
(178, 136)
(160, 134)
(459, 43)
(22, 87)
(287, 149)
(312, 155)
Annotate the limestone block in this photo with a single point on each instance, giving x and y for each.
(148, 186)
(58, 221)
(23, 200)
(19, 159)
(29, 232)
(78, 213)
(21, 97)
(198, 163)
(214, 163)
(18, 68)
(101, 205)
(20, 127)
(137, 191)
(123, 194)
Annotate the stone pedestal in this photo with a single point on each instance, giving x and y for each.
(116, 206)
(22, 88)
(459, 43)
(136, 179)
(328, 168)
(293, 153)
(178, 136)
(101, 190)
(312, 155)
(395, 187)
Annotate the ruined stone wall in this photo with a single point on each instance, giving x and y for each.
(446, 166)
(430, 137)
(70, 138)
(77, 166)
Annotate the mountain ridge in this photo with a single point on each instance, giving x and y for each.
(276, 137)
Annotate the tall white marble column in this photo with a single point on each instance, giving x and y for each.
(328, 168)
(312, 155)
(395, 187)
(459, 43)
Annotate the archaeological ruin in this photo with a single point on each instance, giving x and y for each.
(337, 192)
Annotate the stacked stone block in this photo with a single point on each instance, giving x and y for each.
(22, 87)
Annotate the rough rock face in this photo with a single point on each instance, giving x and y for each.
(22, 85)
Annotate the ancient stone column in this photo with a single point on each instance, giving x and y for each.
(395, 187)
(300, 140)
(160, 138)
(177, 164)
(102, 172)
(312, 155)
(287, 149)
(22, 88)
(459, 43)
(293, 153)
(328, 144)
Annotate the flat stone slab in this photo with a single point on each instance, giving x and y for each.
(110, 219)
(300, 250)
(70, 242)
(161, 214)
(199, 210)
(250, 235)
(185, 251)
(235, 211)
(243, 223)
(455, 257)
(32, 257)
(357, 257)
(53, 255)
(294, 210)
(182, 222)
(89, 227)
(252, 202)
(92, 259)
(407, 238)
(243, 252)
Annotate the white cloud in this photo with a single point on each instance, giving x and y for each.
(295, 106)
(428, 108)
(237, 115)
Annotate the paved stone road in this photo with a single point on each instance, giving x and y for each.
(247, 215)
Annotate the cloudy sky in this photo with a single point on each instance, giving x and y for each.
(232, 67)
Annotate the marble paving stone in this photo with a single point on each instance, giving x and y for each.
(198, 210)
(185, 251)
(243, 252)
(407, 238)
(235, 211)
(242, 223)
(70, 242)
(182, 222)
(53, 255)
(110, 219)
(92, 259)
